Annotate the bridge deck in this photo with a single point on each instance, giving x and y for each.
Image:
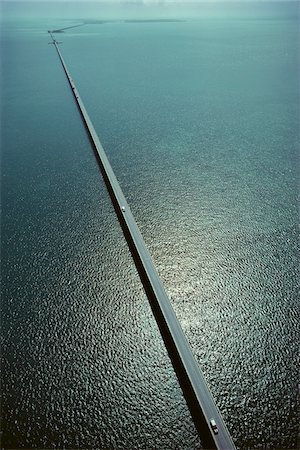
(197, 394)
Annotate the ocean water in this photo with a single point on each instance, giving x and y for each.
(200, 121)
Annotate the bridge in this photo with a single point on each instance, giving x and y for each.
(207, 418)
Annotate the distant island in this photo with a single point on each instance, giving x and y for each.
(153, 20)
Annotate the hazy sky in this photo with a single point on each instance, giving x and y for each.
(137, 9)
(147, 1)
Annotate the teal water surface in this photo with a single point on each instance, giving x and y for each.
(200, 121)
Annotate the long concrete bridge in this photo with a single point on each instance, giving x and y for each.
(209, 423)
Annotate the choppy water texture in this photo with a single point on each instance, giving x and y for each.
(200, 122)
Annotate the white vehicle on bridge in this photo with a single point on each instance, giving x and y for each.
(214, 426)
